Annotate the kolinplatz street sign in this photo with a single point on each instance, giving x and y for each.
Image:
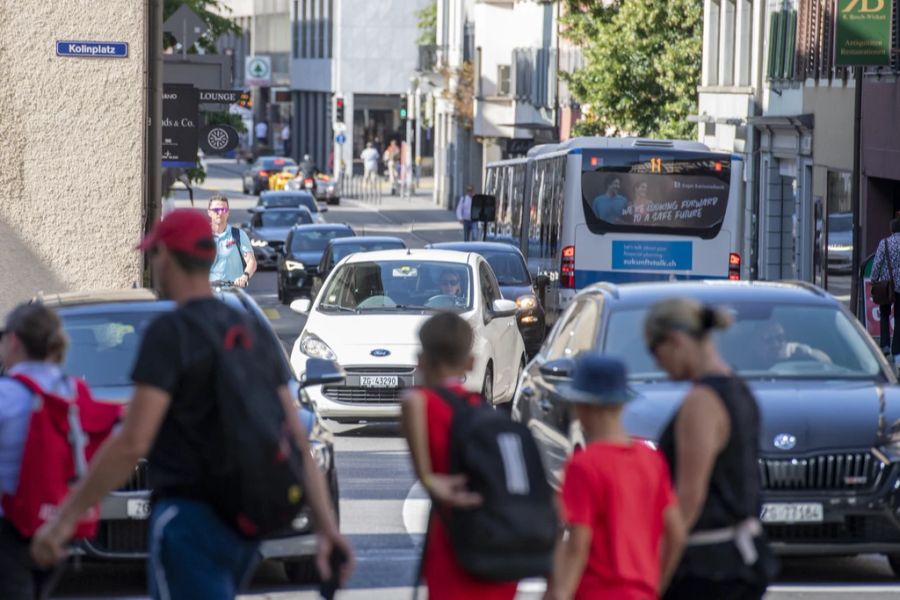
(863, 35)
(258, 71)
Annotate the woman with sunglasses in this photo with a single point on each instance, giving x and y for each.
(711, 447)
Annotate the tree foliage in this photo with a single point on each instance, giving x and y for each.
(427, 23)
(642, 65)
(210, 12)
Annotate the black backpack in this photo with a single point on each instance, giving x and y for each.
(511, 536)
(257, 482)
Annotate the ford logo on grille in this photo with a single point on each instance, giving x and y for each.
(380, 352)
(784, 441)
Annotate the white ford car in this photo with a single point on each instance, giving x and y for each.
(367, 318)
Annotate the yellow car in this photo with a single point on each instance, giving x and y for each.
(278, 181)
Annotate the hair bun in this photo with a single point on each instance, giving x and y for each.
(714, 318)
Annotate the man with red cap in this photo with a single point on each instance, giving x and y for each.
(194, 553)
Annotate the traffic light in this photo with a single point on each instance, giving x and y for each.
(338, 109)
(403, 107)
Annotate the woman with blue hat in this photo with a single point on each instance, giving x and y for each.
(624, 526)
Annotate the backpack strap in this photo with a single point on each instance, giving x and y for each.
(456, 402)
(236, 236)
(29, 383)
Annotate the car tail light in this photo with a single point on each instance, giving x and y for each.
(567, 268)
(263, 173)
(734, 266)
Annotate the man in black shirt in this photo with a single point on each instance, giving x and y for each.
(172, 418)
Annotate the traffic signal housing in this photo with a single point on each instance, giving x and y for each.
(338, 109)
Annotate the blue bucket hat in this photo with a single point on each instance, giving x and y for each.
(597, 380)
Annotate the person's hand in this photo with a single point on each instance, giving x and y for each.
(48, 544)
(242, 281)
(327, 543)
(451, 491)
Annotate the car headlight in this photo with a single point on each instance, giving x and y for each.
(259, 243)
(293, 265)
(526, 302)
(840, 247)
(320, 454)
(312, 346)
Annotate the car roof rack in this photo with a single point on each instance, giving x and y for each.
(806, 285)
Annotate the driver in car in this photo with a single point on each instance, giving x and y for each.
(772, 347)
(450, 284)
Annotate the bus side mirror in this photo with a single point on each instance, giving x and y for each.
(541, 281)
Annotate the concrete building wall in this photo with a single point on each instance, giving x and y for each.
(72, 136)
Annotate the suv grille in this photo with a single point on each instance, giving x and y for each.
(363, 395)
(859, 529)
(128, 536)
(140, 481)
(854, 471)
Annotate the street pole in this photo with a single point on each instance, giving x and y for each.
(406, 156)
(418, 116)
(855, 192)
(153, 133)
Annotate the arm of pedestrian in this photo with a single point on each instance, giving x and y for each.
(111, 467)
(674, 537)
(318, 497)
(702, 429)
(569, 562)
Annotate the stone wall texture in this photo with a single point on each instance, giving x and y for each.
(71, 148)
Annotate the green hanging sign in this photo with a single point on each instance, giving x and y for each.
(863, 36)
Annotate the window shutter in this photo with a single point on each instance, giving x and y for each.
(773, 43)
(790, 44)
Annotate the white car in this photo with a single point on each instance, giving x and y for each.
(367, 318)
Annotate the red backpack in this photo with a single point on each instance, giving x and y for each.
(62, 437)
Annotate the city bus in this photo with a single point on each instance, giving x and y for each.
(620, 210)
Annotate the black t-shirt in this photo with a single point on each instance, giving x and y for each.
(176, 358)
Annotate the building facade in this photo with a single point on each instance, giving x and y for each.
(74, 140)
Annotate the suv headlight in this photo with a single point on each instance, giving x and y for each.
(293, 265)
(312, 346)
(526, 302)
(259, 243)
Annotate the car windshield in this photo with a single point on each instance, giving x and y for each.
(764, 342)
(342, 250)
(840, 222)
(508, 267)
(277, 163)
(315, 240)
(282, 218)
(399, 286)
(289, 201)
(103, 347)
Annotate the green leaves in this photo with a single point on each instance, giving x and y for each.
(211, 12)
(427, 24)
(642, 65)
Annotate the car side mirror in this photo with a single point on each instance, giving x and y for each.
(321, 372)
(560, 368)
(503, 308)
(245, 225)
(541, 281)
(301, 306)
(323, 209)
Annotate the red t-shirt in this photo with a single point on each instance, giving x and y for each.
(620, 492)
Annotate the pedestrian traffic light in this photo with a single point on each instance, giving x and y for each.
(338, 109)
(403, 104)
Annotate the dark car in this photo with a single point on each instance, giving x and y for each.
(515, 284)
(840, 243)
(338, 248)
(268, 229)
(302, 255)
(105, 329)
(829, 446)
(256, 178)
(285, 199)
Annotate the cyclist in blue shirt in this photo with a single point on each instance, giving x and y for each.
(235, 261)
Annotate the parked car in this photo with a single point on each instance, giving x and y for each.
(286, 199)
(338, 248)
(302, 254)
(515, 284)
(268, 229)
(840, 243)
(105, 329)
(829, 446)
(368, 315)
(256, 178)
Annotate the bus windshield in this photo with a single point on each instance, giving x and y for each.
(656, 194)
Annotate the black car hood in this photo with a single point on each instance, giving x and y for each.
(270, 234)
(821, 415)
(511, 292)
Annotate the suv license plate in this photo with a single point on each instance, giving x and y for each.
(138, 509)
(379, 381)
(810, 512)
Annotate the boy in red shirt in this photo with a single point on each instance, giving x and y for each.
(624, 531)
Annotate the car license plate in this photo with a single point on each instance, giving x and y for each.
(138, 509)
(809, 512)
(379, 381)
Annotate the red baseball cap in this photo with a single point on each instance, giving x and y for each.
(182, 230)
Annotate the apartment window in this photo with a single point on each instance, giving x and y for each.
(712, 22)
(504, 87)
(313, 28)
(782, 45)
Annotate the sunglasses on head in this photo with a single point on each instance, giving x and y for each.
(220, 210)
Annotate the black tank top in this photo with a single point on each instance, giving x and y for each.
(734, 493)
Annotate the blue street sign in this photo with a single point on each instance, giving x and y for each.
(91, 49)
(341, 138)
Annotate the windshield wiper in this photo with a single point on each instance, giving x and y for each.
(340, 308)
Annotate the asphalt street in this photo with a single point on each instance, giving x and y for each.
(382, 509)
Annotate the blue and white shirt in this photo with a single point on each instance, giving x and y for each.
(16, 404)
(880, 264)
(228, 265)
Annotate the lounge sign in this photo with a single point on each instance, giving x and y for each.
(863, 36)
